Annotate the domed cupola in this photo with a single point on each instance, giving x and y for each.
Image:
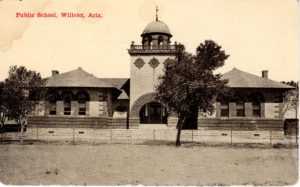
(157, 27)
(156, 34)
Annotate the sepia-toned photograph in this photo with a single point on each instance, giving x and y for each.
(149, 92)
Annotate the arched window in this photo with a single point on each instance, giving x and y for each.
(150, 42)
(81, 104)
(52, 99)
(256, 109)
(82, 98)
(257, 98)
(145, 41)
(67, 97)
(67, 105)
(160, 40)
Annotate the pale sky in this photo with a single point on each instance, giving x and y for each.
(257, 34)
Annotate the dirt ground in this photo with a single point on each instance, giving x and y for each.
(119, 164)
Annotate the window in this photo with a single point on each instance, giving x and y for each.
(82, 104)
(160, 40)
(82, 108)
(256, 109)
(52, 98)
(240, 109)
(224, 109)
(67, 105)
(102, 97)
(52, 107)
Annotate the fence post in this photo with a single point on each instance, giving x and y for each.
(73, 135)
(37, 133)
(131, 136)
(110, 135)
(231, 134)
(270, 138)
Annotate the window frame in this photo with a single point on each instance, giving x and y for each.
(240, 109)
(224, 106)
(52, 108)
(67, 106)
(256, 107)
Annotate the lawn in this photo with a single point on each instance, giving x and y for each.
(119, 164)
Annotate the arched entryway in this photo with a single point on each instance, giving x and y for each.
(153, 113)
(147, 110)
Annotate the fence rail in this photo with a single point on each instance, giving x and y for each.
(132, 136)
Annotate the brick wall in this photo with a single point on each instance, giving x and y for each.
(258, 124)
(273, 110)
(232, 109)
(77, 135)
(74, 108)
(172, 122)
(59, 108)
(248, 110)
(79, 121)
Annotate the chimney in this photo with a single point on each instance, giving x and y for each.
(264, 74)
(55, 72)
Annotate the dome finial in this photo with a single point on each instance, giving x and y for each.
(156, 13)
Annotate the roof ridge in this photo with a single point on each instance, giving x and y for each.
(77, 77)
(258, 78)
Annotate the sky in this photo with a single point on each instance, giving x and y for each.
(257, 34)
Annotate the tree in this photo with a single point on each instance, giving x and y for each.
(25, 90)
(4, 108)
(291, 98)
(189, 82)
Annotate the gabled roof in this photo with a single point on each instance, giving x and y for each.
(123, 95)
(116, 82)
(241, 79)
(76, 78)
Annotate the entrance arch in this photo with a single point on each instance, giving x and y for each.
(148, 101)
(153, 113)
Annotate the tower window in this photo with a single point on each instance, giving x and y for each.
(160, 40)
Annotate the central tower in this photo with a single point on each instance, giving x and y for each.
(146, 65)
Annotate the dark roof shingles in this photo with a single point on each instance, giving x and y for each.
(80, 78)
(240, 79)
